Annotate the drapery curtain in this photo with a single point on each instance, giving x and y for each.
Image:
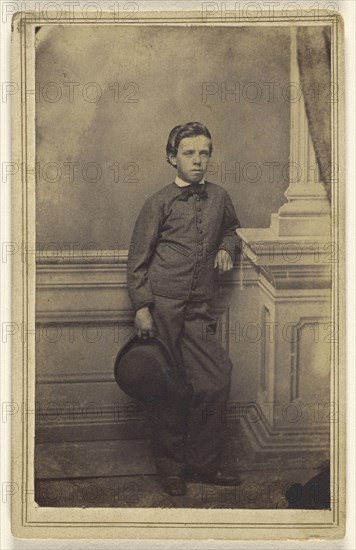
(313, 46)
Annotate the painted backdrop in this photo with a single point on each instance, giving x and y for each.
(107, 99)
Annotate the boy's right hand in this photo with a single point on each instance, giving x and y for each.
(144, 323)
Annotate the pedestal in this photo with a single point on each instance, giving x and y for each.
(292, 409)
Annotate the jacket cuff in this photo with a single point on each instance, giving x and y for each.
(143, 304)
(231, 243)
(230, 248)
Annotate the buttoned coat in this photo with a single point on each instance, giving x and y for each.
(175, 240)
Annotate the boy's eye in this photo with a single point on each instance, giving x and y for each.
(188, 153)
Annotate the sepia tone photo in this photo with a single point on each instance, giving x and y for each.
(180, 273)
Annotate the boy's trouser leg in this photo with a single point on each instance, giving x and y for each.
(208, 369)
(183, 432)
(167, 419)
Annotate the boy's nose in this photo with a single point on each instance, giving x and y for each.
(197, 159)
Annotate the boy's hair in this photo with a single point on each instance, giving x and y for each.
(190, 129)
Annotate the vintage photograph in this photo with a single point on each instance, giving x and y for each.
(180, 281)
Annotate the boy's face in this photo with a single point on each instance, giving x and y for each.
(192, 158)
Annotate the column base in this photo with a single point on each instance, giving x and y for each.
(307, 212)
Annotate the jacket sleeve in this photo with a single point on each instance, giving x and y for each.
(142, 247)
(229, 240)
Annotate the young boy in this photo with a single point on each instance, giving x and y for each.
(184, 232)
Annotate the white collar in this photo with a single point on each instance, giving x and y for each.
(182, 183)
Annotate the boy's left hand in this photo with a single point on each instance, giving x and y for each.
(223, 261)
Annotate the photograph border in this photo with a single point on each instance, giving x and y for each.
(28, 519)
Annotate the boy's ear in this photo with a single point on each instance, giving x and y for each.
(172, 160)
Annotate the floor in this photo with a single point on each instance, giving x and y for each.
(122, 474)
(257, 491)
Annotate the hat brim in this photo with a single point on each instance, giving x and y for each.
(144, 368)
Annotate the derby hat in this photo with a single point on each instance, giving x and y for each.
(145, 369)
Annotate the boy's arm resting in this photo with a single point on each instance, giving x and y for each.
(230, 241)
(142, 247)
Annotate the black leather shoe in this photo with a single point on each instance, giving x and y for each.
(174, 485)
(215, 478)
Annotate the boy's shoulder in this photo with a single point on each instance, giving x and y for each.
(166, 191)
(163, 195)
(215, 188)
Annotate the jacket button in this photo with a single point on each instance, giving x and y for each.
(198, 209)
(199, 221)
(200, 231)
(195, 276)
(197, 199)
(200, 253)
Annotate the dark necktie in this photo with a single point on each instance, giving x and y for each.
(194, 188)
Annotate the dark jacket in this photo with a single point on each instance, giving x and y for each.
(174, 243)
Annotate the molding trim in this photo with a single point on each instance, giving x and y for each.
(267, 442)
(264, 247)
(101, 377)
(295, 352)
(128, 422)
(57, 417)
(85, 257)
(109, 269)
(283, 293)
(265, 347)
(88, 317)
(91, 289)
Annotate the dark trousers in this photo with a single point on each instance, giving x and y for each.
(187, 429)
